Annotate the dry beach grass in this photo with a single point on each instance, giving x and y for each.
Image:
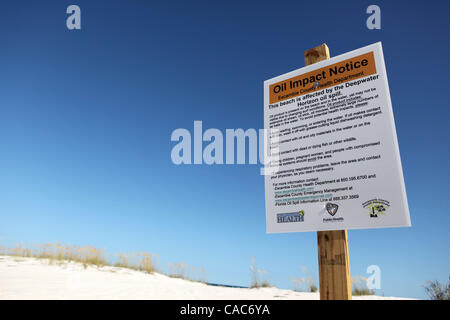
(59, 271)
(34, 278)
(58, 253)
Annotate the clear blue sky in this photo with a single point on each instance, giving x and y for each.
(86, 118)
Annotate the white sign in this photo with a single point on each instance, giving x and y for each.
(331, 123)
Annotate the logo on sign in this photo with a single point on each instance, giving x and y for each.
(291, 217)
(376, 207)
(332, 208)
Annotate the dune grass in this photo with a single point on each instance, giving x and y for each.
(305, 283)
(359, 287)
(259, 277)
(437, 291)
(140, 261)
(57, 254)
(184, 271)
(86, 255)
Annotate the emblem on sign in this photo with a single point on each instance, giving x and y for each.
(332, 208)
(376, 207)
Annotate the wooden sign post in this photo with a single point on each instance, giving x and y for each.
(334, 265)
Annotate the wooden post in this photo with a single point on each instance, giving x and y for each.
(334, 265)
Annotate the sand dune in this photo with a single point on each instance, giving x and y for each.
(30, 278)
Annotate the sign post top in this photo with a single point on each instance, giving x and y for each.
(317, 54)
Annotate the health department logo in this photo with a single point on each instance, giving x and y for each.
(376, 207)
(298, 216)
(332, 208)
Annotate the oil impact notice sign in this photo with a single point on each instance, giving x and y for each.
(332, 135)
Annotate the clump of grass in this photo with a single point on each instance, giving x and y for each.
(184, 271)
(59, 254)
(358, 291)
(259, 276)
(19, 251)
(359, 287)
(123, 261)
(265, 284)
(145, 262)
(92, 256)
(56, 252)
(437, 291)
(141, 261)
(305, 283)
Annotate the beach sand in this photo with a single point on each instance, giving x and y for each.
(31, 278)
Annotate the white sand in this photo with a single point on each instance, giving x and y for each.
(30, 278)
